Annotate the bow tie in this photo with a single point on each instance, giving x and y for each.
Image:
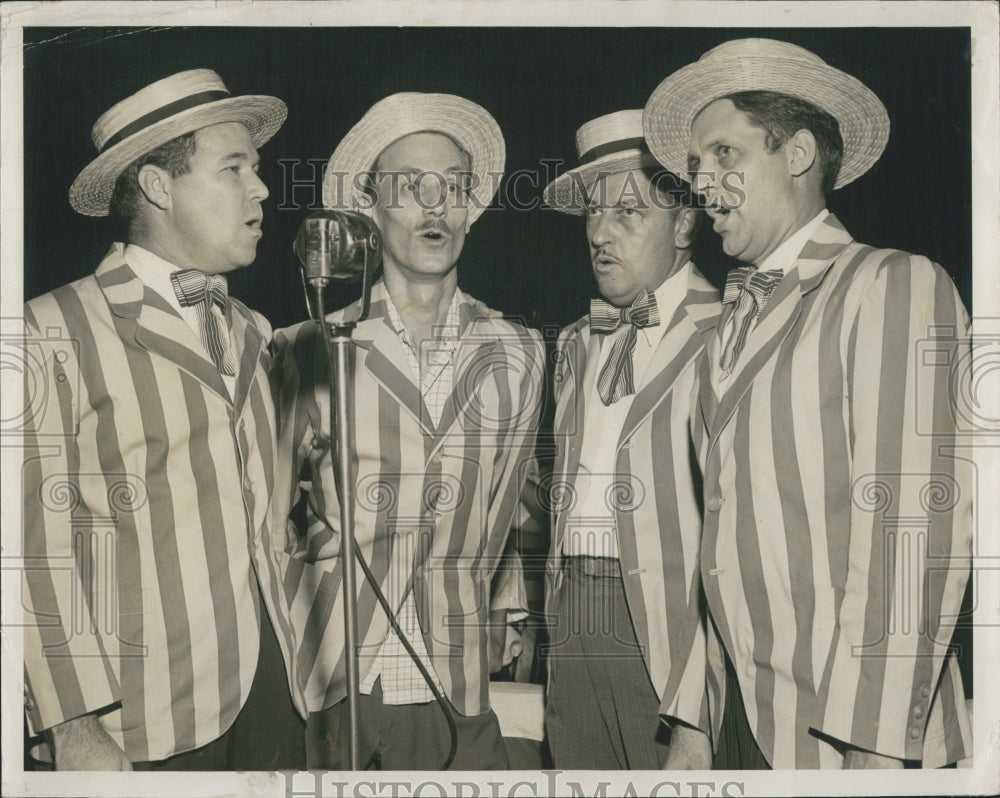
(750, 289)
(205, 292)
(193, 287)
(606, 318)
(759, 284)
(615, 380)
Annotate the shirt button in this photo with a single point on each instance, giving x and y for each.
(914, 732)
(714, 504)
(925, 691)
(29, 704)
(918, 711)
(247, 483)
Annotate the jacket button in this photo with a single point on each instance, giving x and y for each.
(714, 504)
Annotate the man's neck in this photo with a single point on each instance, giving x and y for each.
(421, 305)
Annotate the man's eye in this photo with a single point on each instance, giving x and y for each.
(724, 151)
(629, 211)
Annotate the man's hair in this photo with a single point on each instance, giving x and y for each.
(371, 178)
(675, 193)
(174, 157)
(781, 116)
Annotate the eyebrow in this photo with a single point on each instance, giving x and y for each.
(238, 156)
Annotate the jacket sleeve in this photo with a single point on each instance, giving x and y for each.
(67, 670)
(910, 531)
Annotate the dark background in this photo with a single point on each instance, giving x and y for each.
(541, 84)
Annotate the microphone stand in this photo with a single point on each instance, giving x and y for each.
(348, 244)
(337, 338)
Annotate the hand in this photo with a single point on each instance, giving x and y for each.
(497, 642)
(689, 749)
(83, 744)
(856, 759)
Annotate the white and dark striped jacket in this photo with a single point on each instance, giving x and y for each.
(658, 520)
(146, 490)
(433, 504)
(837, 507)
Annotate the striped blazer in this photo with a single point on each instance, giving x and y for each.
(146, 488)
(838, 509)
(433, 504)
(657, 516)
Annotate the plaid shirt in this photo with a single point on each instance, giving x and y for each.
(433, 366)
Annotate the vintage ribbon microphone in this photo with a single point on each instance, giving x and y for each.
(346, 247)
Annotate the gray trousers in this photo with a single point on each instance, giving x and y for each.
(601, 711)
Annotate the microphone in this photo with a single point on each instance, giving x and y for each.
(338, 245)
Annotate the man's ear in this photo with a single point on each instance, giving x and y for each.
(154, 183)
(685, 227)
(800, 151)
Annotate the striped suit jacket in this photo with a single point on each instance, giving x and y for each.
(146, 488)
(433, 504)
(657, 515)
(838, 509)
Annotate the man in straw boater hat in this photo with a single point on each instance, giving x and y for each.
(149, 467)
(627, 666)
(824, 429)
(447, 397)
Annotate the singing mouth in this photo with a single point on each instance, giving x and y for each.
(435, 235)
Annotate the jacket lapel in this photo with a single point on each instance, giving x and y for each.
(684, 337)
(251, 350)
(775, 323)
(159, 329)
(388, 366)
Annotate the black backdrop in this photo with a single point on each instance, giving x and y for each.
(540, 84)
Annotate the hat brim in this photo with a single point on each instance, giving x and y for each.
(674, 104)
(389, 120)
(91, 192)
(569, 193)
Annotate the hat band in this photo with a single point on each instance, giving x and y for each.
(638, 143)
(164, 112)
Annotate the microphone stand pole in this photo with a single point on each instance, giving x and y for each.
(338, 340)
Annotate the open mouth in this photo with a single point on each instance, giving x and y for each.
(434, 236)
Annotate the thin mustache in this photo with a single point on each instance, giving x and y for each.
(437, 227)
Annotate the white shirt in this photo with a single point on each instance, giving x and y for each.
(782, 259)
(590, 526)
(154, 272)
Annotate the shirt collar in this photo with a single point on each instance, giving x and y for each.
(154, 272)
(446, 333)
(784, 257)
(669, 295)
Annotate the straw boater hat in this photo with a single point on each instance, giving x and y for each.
(766, 65)
(398, 115)
(158, 113)
(605, 146)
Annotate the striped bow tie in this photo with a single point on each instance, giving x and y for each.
(616, 378)
(205, 293)
(750, 289)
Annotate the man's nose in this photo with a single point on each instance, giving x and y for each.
(257, 189)
(702, 182)
(600, 229)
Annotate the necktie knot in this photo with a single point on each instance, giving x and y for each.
(759, 285)
(193, 287)
(607, 318)
(750, 290)
(203, 291)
